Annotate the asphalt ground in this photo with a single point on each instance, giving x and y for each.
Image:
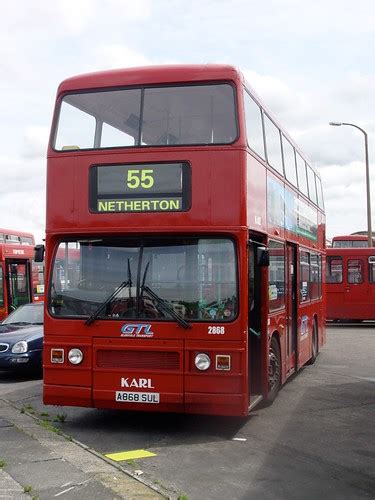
(316, 440)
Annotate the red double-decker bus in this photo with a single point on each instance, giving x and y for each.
(184, 245)
(350, 277)
(16, 273)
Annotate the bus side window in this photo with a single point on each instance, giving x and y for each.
(334, 270)
(314, 276)
(355, 274)
(305, 276)
(276, 276)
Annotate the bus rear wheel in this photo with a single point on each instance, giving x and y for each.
(274, 370)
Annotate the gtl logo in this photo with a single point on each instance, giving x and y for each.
(136, 330)
(137, 382)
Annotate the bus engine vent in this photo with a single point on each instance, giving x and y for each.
(157, 360)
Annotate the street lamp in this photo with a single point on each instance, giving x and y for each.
(369, 230)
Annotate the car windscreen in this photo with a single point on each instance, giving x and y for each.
(29, 313)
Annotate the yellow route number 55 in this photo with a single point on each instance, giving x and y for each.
(143, 178)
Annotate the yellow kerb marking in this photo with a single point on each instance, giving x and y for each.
(130, 455)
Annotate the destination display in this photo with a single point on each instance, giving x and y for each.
(152, 187)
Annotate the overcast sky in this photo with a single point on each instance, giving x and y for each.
(310, 62)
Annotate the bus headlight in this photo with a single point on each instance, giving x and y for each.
(20, 347)
(75, 356)
(202, 361)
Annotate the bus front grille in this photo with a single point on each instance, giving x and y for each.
(157, 360)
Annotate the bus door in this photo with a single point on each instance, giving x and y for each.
(291, 307)
(335, 287)
(255, 278)
(18, 280)
(356, 295)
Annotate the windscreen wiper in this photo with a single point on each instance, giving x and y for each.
(166, 307)
(124, 284)
(96, 313)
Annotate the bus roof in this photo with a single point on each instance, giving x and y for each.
(15, 232)
(350, 237)
(148, 75)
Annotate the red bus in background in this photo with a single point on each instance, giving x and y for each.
(350, 278)
(184, 245)
(17, 280)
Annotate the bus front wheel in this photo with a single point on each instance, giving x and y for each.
(274, 370)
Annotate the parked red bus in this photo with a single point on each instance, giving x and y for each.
(198, 286)
(16, 280)
(350, 277)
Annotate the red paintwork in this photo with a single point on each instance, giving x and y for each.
(228, 198)
(351, 301)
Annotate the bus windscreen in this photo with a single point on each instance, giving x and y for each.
(151, 116)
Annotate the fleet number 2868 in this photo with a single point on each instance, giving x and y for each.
(216, 330)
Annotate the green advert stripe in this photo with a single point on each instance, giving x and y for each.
(308, 235)
(149, 205)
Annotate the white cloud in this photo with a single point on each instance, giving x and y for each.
(35, 141)
(22, 195)
(118, 56)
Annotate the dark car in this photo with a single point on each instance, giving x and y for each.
(21, 339)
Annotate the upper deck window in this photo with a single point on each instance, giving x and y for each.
(312, 186)
(152, 116)
(254, 126)
(273, 145)
(319, 191)
(289, 161)
(301, 171)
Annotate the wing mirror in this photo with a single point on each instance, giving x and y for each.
(263, 256)
(39, 253)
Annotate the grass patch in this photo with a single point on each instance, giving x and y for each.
(60, 417)
(27, 489)
(2, 463)
(47, 425)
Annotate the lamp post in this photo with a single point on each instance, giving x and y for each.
(369, 229)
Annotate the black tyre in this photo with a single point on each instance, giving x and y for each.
(274, 370)
(314, 345)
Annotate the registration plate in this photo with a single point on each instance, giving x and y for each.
(137, 397)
